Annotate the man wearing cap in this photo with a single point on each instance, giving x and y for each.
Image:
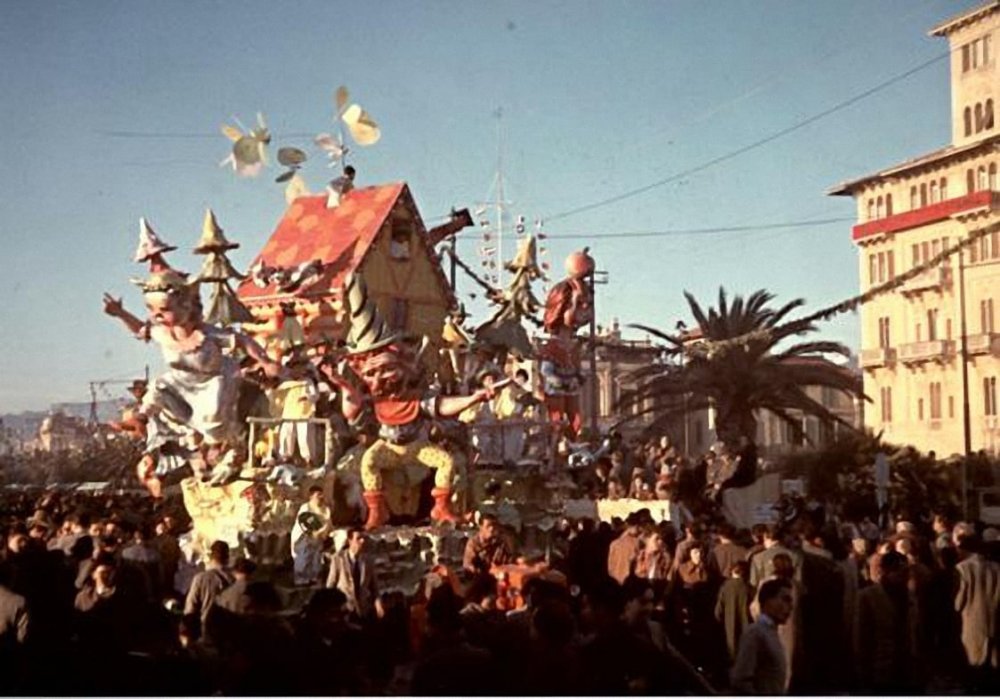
(312, 526)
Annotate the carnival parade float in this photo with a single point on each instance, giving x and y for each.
(334, 384)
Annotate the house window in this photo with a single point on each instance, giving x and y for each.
(966, 59)
(888, 205)
(951, 406)
(987, 40)
(923, 194)
(944, 189)
(398, 314)
(879, 208)
(990, 395)
(919, 332)
(986, 316)
(978, 116)
(936, 400)
(970, 181)
(967, 118)
(934, 192)
(891, 265)
(399, 243)
(993, 177)
(984, 182)
(920, 408)
(881, 267)
(916, 255)
(932, 318)
(913, 198)
(871, 209)
(872, 269)
(988, 115)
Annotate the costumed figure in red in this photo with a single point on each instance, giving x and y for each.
(569, 307)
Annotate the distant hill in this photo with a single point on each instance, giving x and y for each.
(25, 425)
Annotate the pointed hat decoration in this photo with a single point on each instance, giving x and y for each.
(150, 244)
(168, 281)
(526, 258)
(212, 238)
(368, 330)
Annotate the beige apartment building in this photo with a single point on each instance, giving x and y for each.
(911, 338)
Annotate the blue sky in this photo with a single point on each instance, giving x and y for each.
(598, 98)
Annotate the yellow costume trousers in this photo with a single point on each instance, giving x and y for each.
(384, 455)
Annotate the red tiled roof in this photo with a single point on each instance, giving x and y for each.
(339, 237)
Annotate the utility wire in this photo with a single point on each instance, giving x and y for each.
(700, 231)
(752, 146)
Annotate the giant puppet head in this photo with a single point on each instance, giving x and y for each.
(570, 302)
(378, 355)
(169, 299)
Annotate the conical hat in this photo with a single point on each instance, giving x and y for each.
(212, 238)
(149, 243)
(368, 329)
(526, 258)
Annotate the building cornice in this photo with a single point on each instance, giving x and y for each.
(936, 157)
(983, 200)
(963, 19)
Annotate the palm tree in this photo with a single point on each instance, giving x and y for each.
(737, 366)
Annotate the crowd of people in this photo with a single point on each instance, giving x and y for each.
(101, 594)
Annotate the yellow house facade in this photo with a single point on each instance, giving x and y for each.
(912, 350)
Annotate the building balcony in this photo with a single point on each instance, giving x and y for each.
(927, 351)
(984, 343)
(935, 279)
(877, 356)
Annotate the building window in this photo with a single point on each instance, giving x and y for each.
(990, 396)
(935, 400)
(932, 318)
(871, 209)
(951, 406)
(988, 115)
(995, 237)
(872, 270)
(920, 409)
(919, 333)
(966, 62)
(984, 182)
(881, 267)
(986, 316)
(986, 48)
(913, 198)
(944, 189)
(888, 205)
(978, 116)
(884, 340)
(916, 255)
(993, 177)
(886, 401)
(890, 261)
(879, 208)
(970, 181)
(967, 116)
(934, 192)
(923, 194)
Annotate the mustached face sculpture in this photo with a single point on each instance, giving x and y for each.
(385, 374)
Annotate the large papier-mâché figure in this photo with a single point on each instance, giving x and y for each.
(393, 394)
(568, 307)
(191, 409)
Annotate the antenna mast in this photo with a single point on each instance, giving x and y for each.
(491, 252)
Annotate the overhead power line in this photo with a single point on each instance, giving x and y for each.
(701, 231)
(840, 106)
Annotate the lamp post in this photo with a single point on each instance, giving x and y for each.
(966, 412)
(594, 278)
